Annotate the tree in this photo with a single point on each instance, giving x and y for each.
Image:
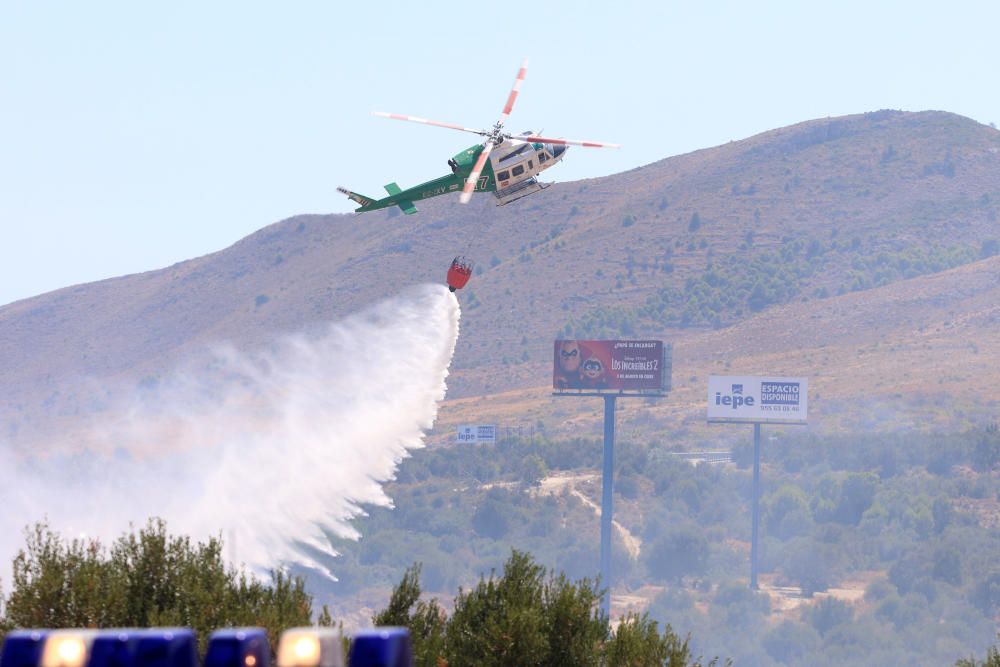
(811, 564)
(828, 613)
(943, 513)
(682, 551)
(992, 659)
(786, 513)
(426, 623)
(533, 470)
(986, 593)
(502, 620)
(989, 248)
(791, 643)
(528, 616)
(986, 450)
(490, 519)
(908, 569)
(857, 493)
(146, 579)
(760, 297)
(638, 643)
(948, 567)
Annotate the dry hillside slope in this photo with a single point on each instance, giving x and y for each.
(921, 353)
(719, 250)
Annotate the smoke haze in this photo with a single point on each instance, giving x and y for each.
(265, 450)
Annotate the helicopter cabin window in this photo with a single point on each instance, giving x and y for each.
(531, 165)
(514, 153)
(541, 157)
(518, 170)
(503, 176)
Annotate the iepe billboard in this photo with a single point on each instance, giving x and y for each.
(763, 399)
(611, 365)
(476, 433)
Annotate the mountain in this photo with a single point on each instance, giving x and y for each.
(859, 251)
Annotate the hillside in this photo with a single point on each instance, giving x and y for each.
(856, 250)
(918, 353)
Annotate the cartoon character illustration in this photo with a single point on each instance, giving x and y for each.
(593, 374)
(568, 356)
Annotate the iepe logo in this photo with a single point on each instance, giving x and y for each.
(735, 399)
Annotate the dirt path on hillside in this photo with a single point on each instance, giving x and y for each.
(786, 601)
(555, 484)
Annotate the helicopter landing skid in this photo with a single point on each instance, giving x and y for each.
(519, 191)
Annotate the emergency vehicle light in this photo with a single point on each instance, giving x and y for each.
(310, 647)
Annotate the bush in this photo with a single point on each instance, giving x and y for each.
(490, 519)
(146, 579)
(828, 613)
(628, 487)
(682, 551)
(790, 643)
(812, 565)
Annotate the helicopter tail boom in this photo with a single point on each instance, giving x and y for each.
(359, 198)
(404, 204)
(369, 204)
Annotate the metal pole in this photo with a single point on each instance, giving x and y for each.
(606, 500)
(756, 506)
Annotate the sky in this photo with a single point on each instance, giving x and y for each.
(136, 135)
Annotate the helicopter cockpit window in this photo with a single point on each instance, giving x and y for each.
(542, 157)
(558, 149)
(503, 176)
(518, 170)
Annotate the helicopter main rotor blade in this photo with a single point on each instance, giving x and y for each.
(470, 182)
(567, 142)
(426, 121)
(513, 92)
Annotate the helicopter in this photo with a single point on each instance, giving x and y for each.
(506, 165)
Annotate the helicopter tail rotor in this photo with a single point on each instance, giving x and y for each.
(359, 198)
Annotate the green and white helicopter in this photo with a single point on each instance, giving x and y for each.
(504, 164)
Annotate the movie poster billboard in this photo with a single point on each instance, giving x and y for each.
(613, 365)
(763, 399)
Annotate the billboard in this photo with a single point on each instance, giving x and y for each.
(477, 433)
(764, 399)
(613, 365)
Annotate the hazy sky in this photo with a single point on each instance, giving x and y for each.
(134, 135)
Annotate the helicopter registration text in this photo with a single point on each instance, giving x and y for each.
(438, 191)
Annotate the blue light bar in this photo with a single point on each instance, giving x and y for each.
(155, 647)
(23, 648)
(382, 647)
(238, 647)
(113, 648)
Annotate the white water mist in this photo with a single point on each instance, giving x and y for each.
(265, 450)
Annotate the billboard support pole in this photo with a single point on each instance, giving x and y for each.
(607, 484)
(630, 368)
(756, 506)
(743, 399)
